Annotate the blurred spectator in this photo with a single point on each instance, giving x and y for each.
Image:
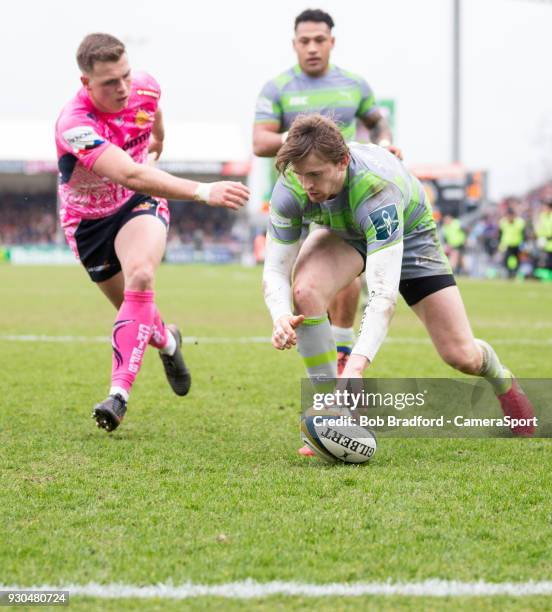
(455, 242)
(543, 230)
(512, 234)
(490, 235)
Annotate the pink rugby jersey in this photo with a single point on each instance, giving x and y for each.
(83, 133)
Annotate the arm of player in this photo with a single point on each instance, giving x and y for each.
(383, 274)
(380, 132)
(157, 135)
(268, 122)
(279, 260)
(267, 139)
(119, 167)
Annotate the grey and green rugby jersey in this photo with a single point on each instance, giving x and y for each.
(339, 94)
(380, 202)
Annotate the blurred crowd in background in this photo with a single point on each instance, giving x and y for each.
(508, 239)
(27, 219)
(511, 239)
(32, 220)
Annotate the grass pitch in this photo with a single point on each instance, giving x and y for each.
(210, 488)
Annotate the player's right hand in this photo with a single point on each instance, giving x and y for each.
(283, 333)
(228, 194)
(396, 151)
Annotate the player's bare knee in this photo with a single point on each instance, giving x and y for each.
(140, 277)
(307, 297)
(462, 357)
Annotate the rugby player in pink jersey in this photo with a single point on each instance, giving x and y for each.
(113, 209)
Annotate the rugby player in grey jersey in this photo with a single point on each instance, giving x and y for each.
(315, 85)
(372, 215)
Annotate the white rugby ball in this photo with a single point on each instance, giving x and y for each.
(333, 438)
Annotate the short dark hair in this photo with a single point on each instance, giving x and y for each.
(98, 47)
(315, 15)
(312, 134)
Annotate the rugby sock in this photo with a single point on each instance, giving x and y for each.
(492, 370)
(131, 333)
(119, 391)
(344, 338)
(316, 345)
(161, 337)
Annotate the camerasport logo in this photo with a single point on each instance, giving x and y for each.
(82, 138)
(143, 118)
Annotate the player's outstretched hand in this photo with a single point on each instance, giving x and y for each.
(283, 334)
(228, 194)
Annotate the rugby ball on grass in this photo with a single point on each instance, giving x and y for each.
(334, 437)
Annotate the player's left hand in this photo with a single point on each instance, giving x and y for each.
(155, 147)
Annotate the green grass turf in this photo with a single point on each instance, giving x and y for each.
(147, 503)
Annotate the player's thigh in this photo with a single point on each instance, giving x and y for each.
(350, 293)
(141, 241)
(444, 316)
(343, 307)
(328, 261)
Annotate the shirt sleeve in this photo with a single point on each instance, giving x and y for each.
(367, 105)
(268, 108)
(79, 135)
(285, 218)
(380, 215)
(383, 275)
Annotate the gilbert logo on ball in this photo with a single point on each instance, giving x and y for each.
(334, 436)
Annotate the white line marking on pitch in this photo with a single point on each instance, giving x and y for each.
(244, 340)
(249, 589)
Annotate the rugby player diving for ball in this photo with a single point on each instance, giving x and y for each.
(370, 215)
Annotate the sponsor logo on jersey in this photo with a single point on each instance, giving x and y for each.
(148, 92)
(136, 141)
(299, 101)
(82, 138)
(264, 105)
(385, 221)
(143, 118)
